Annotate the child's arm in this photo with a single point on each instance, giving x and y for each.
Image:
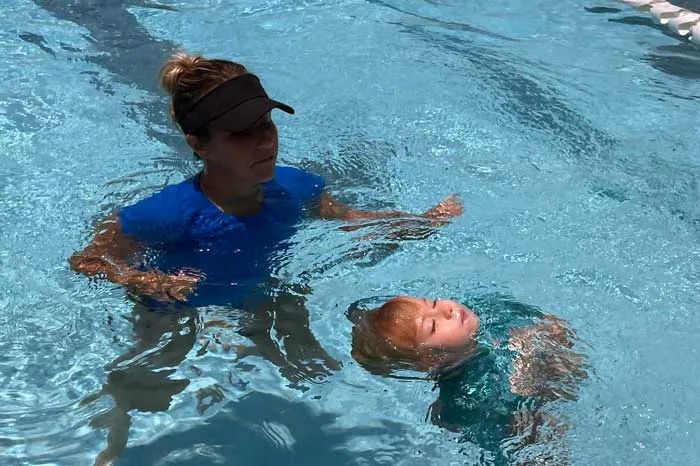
(547, 368)
(545, 365)
(538, 437)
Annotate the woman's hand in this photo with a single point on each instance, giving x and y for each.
(449, 207)
(161, 286)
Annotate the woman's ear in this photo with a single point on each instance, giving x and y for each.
(199, 148)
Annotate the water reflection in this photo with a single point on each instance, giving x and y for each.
(262, 429)
(143, 378)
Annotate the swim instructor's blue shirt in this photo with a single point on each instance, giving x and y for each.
(184, 230)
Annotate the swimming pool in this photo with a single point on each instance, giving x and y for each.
(570, 131)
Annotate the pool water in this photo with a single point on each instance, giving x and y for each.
(569, 128)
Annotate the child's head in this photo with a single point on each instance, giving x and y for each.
(414, 330)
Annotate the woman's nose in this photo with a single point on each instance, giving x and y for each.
(268, 137)
(267, 141)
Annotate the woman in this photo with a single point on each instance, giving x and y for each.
(210, 237)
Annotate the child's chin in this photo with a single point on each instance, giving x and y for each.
(459, 345)
(472, 323)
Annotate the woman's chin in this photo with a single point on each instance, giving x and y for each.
(264, 175)
(263, 172)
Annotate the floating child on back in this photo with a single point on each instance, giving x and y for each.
(497, 378)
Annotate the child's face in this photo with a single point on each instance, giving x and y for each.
(443, 323)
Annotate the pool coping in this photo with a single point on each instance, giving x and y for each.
(683, 22)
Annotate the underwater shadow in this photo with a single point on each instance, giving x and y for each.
(681, 60)
(530, 103)
(261, 429)
(133, 57)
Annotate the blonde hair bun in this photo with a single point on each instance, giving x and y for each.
(175, 68)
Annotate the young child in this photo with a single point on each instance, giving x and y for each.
(496, 382)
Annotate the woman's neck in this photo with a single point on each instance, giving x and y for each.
(230, 195)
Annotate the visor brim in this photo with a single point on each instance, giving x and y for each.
(244, 116)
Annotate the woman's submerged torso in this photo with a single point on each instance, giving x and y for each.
(184, 230)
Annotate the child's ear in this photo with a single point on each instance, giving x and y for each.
(355, 312)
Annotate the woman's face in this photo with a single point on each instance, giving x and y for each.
(443, 323)
(248, 157)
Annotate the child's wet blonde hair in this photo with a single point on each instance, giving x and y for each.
(395, 320)
(385, 339)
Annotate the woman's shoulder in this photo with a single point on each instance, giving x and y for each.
(170, 199)
(286, 173)
(162, 215)
(299, 182)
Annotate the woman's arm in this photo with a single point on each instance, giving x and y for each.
(392, 225)
(330, 208)
(110, 254)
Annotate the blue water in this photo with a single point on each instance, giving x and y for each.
(571, 133)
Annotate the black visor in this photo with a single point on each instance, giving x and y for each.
(235, 105)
